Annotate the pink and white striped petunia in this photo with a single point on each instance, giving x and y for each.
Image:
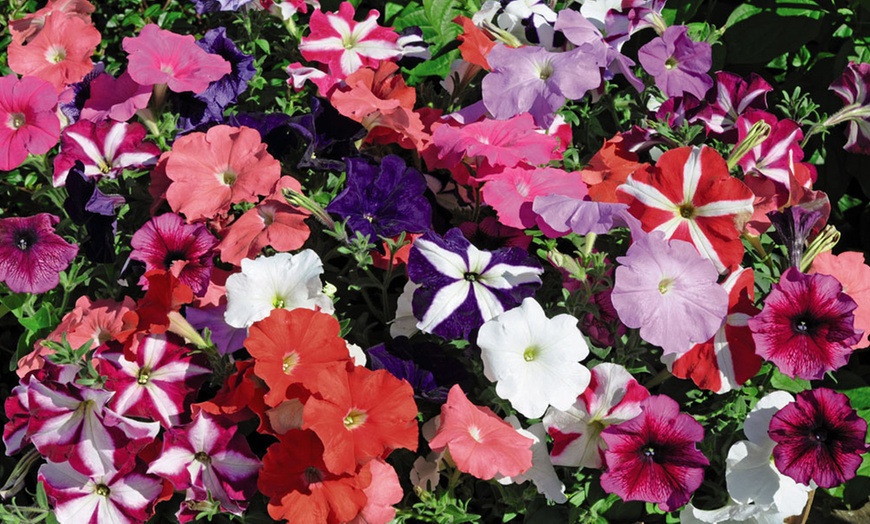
(734, 96)
(159, 384)
(728, 359)
(106, 149)
(124, 496)
(613, 396)
(209, 459)
(690, 196)
(71, 423)
(774, 157)
(345, 45)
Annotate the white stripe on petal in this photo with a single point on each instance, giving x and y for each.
(725, 207)
(89, 147)
(114, 139)
(487, 303)
(445, 262)
(444, 303)
(648, 195)
(332, 43)
(691, 174)
(704, 246)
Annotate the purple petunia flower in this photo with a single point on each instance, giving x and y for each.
(212, 6)
(383, 200)
(818, 437)
(461, 286)
(653, 457)
(88, 206)
(32, 254)
(678, 64)
(421, 380)
(794, 225)
(807, 325)
(327, 135)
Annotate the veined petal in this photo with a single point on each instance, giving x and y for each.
(444, 303)
(445, 262)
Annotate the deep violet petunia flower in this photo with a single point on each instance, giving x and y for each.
(326, 135)
(461, 286)
(72, 99)
(819, 437)
(421, 380)
(384, 200)
(88, 206)
(670, 292)
(186, 250)
(31, 254)
(30, 124)
(653, 457)
(678, 64)
(158, 56)
(807, 325)
(794, 225)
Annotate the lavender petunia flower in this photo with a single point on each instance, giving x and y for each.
(559, 215)
(669, 291)
(534, 80)
(31, 254)
(461, 287)
(383, 200)
(678, 64)
(88, 206)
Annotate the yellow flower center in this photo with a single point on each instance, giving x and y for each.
(665, 285)
(290, 362)
(355, 418)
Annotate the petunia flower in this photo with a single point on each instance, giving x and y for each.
(653, 457)
(728, 359)
(186, 250)
(542, 473)
(115, 98)
(612, 397)
(280, 281)
(534, 360)
(159, 385)
(32, 255)
(480, 443)
(345, 45)
(678, 64)
(774, 157)
(383, 201)
(690, 196)
(326, 135)
(512, 192)
(360, 415)
(807, 325)
(423, 381)
(534, 80)
(88, 206)
(25, 29)
(158, 56)
(461, 287)
(210, 458)
(852, 88)
(383, 492)
(105, 149)
(210, 171)
(750, 474)
(122, 496)
(670, 292)
(854, 275)
(733, 97)
(819, 437)
(60, 54)
(30, 124)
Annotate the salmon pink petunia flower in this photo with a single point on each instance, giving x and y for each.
(818, 437)
(32, 255)
(158, 56)
(654, 457)
(60, 54)
(854, 275)
(28, 122)
(210, 171)
(26, 28)
(480, 443)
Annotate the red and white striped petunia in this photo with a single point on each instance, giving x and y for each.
(689, 195)
(728, 359)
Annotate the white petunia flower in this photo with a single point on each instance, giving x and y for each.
(542, 472)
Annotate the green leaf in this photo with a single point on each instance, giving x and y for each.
(763, 36)
(792, 385)
(859, 398)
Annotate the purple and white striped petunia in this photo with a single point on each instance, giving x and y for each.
(158, 385)
(112, 497)
(461, 286)
(774, 157)
(852, 88)
(209, 460)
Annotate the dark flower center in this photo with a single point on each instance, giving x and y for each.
(102, 490)
(803, 325)
(687, 211)
(649, 452)
(143, 376)
(313, 475)
(24, 239)
(172, 255)
(671, 63)
(202, 456)
(820, 434)
(471, 276)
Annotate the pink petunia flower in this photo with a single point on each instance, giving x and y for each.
(480, 443)
(818, 437)
(653, 457)
(851, 87)
(159, 385)
(186, 251)
(28, 122)
(106, 149)
(733, 97)
(807, 325)
(345, 45)
(670, 292)
(854, 275)
(60, 54)
(32, 255)
(512, 192)
(158, 56)
(774, 157)
(613, 397)
(115, 98)
(26, 28)
(210, 171)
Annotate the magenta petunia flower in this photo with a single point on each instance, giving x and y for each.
(818, 437)
(669, 291)
(32, 254)
(653, 457)
(187, 251)
(807, 325)
(776, 156)
(28, 123)
(678, 64)
(733, 97)
(852, 88)
(158, 56)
